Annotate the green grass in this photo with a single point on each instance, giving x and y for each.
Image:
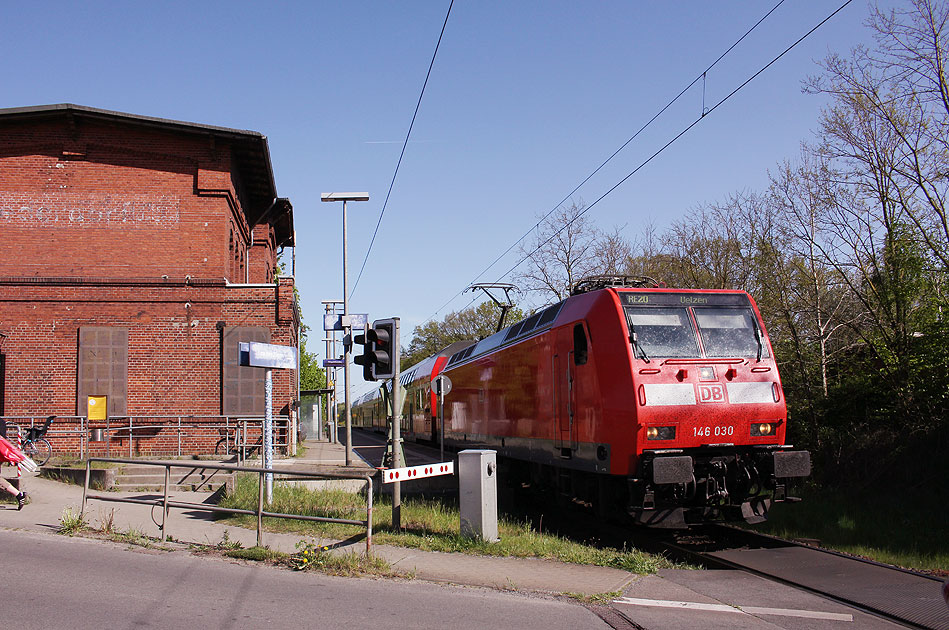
(71, 523)
(429, 525)
(906, 528)
(72, 462)
(258, 554)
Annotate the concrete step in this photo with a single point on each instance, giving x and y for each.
(141, 476)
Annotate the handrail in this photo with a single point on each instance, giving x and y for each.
(165, 503)
(181, 425)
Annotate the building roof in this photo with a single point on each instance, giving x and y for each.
(252, 156)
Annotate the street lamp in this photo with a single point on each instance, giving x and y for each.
(344, 197)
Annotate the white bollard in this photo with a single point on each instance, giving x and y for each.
(478, 494)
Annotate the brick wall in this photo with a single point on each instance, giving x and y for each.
(115, 225)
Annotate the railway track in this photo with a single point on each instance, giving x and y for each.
(905, 597)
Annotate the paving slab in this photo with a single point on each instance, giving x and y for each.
(676, 598)
(50, 498)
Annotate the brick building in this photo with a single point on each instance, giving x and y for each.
(135, 253)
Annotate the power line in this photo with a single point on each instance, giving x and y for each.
(677, 136)
(404, 144)
(701, 76)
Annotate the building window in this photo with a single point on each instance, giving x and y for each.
(242, 387)
(103, 367)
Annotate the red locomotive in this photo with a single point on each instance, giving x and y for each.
(664, 401)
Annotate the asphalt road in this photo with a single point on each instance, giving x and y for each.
(50, 581)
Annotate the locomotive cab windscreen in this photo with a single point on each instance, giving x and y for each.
(713, 329)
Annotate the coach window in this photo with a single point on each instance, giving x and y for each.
(579, 345)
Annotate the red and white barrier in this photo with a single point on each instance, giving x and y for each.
(391, 475)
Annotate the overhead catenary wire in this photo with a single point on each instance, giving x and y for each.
(408, 134)
(700, 77)
(704, 114)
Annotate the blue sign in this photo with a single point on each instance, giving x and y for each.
(333, 363)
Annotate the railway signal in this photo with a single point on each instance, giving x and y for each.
(380, 356)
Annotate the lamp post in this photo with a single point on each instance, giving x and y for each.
(347, 329)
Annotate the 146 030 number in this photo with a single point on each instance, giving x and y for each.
(710, 431)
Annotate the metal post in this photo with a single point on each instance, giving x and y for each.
(85, 489)
(179, 436)
(130, 438)
(396, 427)
(242, 443)
(369, 516)
(268, 432)
(441, 422)
(346, 330)
(260, 510)
(164, 506)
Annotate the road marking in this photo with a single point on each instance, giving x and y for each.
(790, 612)
(751, 610)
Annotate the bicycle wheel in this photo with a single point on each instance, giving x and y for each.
(38, 450)
(222, 447)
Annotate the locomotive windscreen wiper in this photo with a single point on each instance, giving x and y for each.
(637, 348)
(757, 338)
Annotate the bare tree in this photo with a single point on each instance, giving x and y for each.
(567, 247)
(894, 99)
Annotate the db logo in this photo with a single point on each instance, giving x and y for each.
(711, 393)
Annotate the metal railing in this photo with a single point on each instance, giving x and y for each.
(165, 503)
(233, 430)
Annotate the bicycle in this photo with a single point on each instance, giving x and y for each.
(35, 445)
(228, 444)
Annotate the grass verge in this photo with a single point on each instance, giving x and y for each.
(429, 525)
(907, 528)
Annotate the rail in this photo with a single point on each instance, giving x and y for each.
(165, 503)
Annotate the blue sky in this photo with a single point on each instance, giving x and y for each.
(525, 99)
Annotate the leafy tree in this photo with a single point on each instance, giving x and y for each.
(312, 376)
(474, 323)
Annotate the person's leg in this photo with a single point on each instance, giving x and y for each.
(6, 486)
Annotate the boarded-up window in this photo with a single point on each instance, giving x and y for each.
(242, 387)
(103, 367)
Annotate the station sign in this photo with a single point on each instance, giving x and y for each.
(332, 321)
(268, 355)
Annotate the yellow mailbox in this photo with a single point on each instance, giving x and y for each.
(97, 407)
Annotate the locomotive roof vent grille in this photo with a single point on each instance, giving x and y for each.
(535, 321)
(531, 322)
(549, 314)
(594, 283)
(514, 331)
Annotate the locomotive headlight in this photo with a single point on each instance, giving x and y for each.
(660, 433)
(762, 429)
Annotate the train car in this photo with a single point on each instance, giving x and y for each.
(666, 402)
